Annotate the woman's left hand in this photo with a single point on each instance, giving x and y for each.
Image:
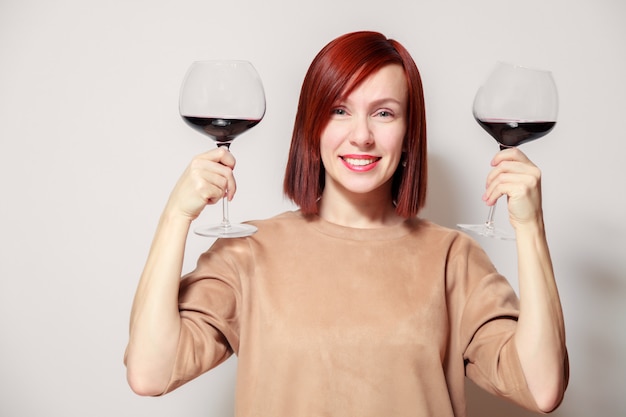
(515, 176)
(540, 333)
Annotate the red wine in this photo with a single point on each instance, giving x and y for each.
(514, 133)
(221, 130)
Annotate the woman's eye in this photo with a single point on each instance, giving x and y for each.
(339, 111)
(385, 113)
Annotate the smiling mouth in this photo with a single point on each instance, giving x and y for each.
(360, 162)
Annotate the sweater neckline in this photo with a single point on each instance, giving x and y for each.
(352, 233)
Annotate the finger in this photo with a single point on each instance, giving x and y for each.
(518, 165)
(215, 181)
(504, 167)
(515, 185)
(214, 194)
(220, 176)
(221, 155)
(509, 154)
(492, 194)
(224, 181)
(502, 184)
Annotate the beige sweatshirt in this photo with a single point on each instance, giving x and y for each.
(332, 321)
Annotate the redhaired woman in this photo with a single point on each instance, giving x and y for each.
(352, 305)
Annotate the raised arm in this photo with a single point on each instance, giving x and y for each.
(540, 334)
(155, 319)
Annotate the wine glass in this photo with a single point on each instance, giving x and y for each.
(222, 99)
(515, 105)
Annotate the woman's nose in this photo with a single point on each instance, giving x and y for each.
(361, 135)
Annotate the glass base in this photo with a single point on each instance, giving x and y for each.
(487, 231)
(226, 230)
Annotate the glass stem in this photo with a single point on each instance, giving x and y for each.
(225, 216)
(489, 223)
(225, 221)
(492, 210)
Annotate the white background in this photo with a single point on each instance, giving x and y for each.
(91, 143)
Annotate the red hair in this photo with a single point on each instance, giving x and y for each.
(339, 68)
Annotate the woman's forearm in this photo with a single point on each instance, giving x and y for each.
(540, 335)
(155, 319)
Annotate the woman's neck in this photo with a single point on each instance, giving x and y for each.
(363, 211)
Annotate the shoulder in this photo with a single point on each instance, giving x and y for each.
(284, 218)
(283, 223)
(241, 252)
(435, 233)
(456, 246)
(273, 230)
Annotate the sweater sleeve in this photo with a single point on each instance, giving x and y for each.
(491, 358)
(488, 312)
(209, 303)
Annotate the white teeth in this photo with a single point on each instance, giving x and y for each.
(359, 162)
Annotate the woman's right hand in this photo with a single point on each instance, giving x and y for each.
(155, 319)
(207, 179)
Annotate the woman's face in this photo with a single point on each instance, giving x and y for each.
(362, 144)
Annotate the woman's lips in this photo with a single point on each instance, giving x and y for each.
(360, 163)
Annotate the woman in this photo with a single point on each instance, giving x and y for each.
(352, 305)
